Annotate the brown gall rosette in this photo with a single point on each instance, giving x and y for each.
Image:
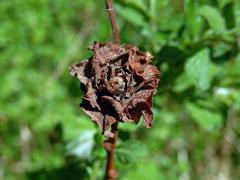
(118, 84)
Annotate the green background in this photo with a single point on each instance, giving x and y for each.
(196, 128)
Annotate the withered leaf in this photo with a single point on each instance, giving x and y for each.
(118, 83)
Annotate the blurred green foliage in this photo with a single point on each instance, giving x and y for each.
(196, 128)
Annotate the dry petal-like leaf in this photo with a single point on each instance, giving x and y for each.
(80, 70)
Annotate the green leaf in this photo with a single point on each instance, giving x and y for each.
(198, 69)
(237, 13)
(205, 118)
(214, 18)
(131, 15)
(220, 49)
(194, 22)
(139, 4)
(82, 145)
(129, 127)
(131, 151)
(74, 125)
(182, 83)
(144, 170)
(223, 3)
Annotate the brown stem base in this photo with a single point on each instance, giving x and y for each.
(109, 146)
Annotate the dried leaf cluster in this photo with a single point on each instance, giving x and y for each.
(118, 84)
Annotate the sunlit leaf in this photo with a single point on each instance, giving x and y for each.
(82, 145)
(205, 118)
(198, 69)
(214, 18)
(139, 4)
(131, 15)
(131, 151)
(223, 3)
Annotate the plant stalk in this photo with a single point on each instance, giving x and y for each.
(110, 144)
(113, 22)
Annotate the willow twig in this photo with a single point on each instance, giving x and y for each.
(110, 143)
(113, 22)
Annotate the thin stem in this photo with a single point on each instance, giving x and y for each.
(110, 143)
(112, 18)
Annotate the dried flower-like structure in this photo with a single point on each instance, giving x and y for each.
(118, 83)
